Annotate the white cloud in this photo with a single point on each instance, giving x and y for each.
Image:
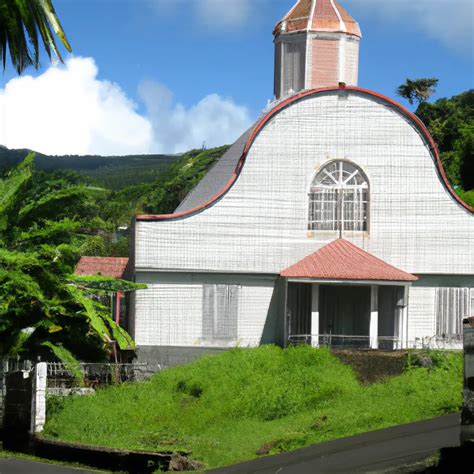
(224, 12)
(215, 13)
(214, 120)
(449, 21)
(68, 110)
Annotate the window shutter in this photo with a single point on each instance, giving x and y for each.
(220, 312)
(452, 306)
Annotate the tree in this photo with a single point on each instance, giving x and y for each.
(451, 123)
(44, 310)
(420, 90)
(24, 24)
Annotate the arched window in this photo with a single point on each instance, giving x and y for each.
(339, 198)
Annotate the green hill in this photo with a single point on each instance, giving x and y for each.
(113, 172)
(249, 402)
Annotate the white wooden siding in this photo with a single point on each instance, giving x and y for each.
(170, 313)
(261, 224)
(253, 312)
(421, 313)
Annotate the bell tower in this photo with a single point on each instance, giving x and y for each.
(316, 45)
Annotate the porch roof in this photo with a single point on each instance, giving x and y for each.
(342, 260)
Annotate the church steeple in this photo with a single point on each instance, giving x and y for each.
(316, 45)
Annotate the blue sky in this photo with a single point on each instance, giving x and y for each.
(189, 71)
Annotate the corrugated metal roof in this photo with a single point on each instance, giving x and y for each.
(217, 177)
(342, 260)
(105, 266)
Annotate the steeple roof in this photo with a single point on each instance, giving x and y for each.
(318, 15)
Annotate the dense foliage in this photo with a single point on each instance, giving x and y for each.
(451, 122)
(44, 223)
(231, 407)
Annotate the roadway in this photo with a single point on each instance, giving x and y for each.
(377, 451)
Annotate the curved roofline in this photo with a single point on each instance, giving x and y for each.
(283, 105)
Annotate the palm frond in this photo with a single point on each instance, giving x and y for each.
(20, 22)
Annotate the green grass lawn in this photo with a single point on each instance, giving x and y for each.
(226, 408)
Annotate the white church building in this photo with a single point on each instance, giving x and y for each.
(329, 222)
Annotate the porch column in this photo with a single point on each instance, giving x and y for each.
(402, 310)
(405, 344)
(374, 317)
(315, 315)
(404, 316)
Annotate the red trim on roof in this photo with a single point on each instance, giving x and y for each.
(278, 108)
(105, 266)
(342, 260)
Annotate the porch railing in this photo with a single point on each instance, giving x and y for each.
(346, 341)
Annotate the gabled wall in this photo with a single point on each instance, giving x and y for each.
(260, 224)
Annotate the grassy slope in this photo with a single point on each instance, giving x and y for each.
(224, 408)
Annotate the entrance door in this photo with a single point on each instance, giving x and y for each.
(389, 299)
(299, 311)
(345, 311)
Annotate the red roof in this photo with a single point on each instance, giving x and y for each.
(324, 15)
(342, 260)
(104, 266)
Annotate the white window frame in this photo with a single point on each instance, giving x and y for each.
(329, 203)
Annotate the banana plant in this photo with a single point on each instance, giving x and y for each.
(44, 310)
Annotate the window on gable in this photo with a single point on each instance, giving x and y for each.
(452, 306)
(220, 312)
(339, 198)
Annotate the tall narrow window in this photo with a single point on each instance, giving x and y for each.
(294, 64)
(339, 198)
(220, 312)
(452, 306)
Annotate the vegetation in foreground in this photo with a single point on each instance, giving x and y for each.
(250, 402)
(44, 310)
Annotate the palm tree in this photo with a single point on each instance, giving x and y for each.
(419, 89)
(24, 24)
